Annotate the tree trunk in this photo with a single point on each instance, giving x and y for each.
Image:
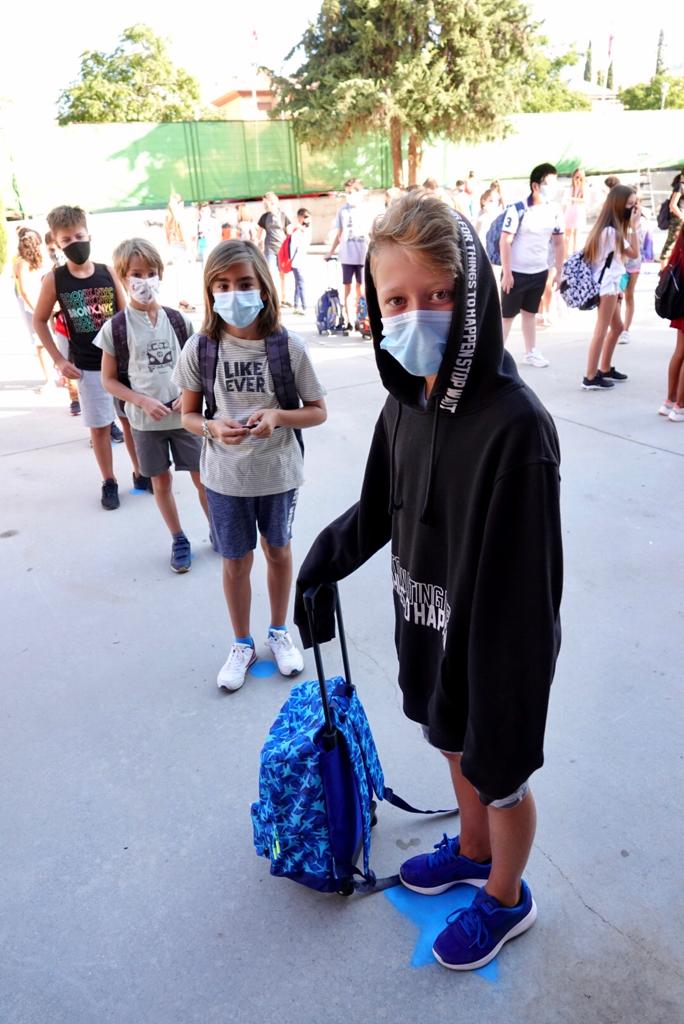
(415, 158)
(397, 162)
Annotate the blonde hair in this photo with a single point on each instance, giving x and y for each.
(225, 255)
(610, 216)
(140, 247)
(63, 217)
(423, 225)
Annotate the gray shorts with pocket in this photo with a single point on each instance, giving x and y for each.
(158, 448)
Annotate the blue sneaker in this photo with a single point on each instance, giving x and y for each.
(433, 873)
(181, 557)
(475, 934)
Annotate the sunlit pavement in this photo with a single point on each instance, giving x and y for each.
(130, 888)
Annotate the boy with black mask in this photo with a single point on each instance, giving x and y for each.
(463, 479)
(88, 295)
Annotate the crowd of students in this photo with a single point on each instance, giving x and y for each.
(228, 403)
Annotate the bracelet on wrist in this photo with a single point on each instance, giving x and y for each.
(206, 432)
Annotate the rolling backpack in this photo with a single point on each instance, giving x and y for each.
(493, 237)
(318, 776)
(329, 313)
(278, 356)
(120, 339)
(578, 286)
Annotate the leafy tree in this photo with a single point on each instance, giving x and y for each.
(599, 78)
(662, 91)
(542, 88)
(587, 65)
(660, 55)
(609, 76)
(136, 82)
(442, 67)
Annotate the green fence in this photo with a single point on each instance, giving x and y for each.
(130, 166)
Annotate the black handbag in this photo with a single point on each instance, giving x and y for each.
(669, 294)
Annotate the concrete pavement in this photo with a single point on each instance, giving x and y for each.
(130, 889)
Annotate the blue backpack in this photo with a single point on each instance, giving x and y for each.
(319, 773)
(493, 237)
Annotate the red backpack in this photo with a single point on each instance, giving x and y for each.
(285, 256)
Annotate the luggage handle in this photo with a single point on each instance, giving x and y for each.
(310, 595)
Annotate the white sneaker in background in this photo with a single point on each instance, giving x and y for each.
(288, 659)
(624, 338)
(232, 675)
(676, 414)
(535, 358)
(665, 409)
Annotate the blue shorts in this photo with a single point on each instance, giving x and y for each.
(234, 521)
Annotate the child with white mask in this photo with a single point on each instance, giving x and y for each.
(252, 463)
(140, 347)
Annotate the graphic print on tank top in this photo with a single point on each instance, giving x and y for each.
(88, 308)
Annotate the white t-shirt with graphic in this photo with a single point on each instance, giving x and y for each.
(354, 223)
(533, 230)
(153, 352)
(256, 466)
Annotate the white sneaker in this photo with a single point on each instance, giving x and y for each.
(624, 338)
(535, 358)
(676, 414)
(232, 675)
(288, 659)
(665, 409)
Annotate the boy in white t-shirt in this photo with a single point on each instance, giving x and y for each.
(524, 247)
(153, 337)
(352, 226)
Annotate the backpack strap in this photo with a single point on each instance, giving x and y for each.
(208, 362)
(278, 356)
(120, 342)
(178, 323)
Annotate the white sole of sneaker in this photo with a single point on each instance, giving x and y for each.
(232, 689)
(437, 890)
(183, 568)
(521, 926)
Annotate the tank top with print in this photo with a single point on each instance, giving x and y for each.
(86, 302)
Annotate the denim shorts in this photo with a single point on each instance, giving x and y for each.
(234, 521)
(507, 801)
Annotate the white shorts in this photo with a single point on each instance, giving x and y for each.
(97, 405)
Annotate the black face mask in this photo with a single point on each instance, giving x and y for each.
(628, 212)
(77, 252)
(306, 223)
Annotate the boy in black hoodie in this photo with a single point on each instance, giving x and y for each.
(462, 477)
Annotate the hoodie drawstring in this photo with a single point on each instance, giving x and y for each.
(393, 504)
(431, 465)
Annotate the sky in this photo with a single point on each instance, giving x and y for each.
(40, 47)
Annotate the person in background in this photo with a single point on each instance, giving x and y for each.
(673, 406)
(633, 268)
(496, 197)
(613, 236)
(28, 272)
(351, 234)
(300, 241)
(180, 245)
(676, 217)
(575, 212)
(273, 226)
(432, 187)
(462, 200)
(247, 228)
(60, 330)
(392, 194)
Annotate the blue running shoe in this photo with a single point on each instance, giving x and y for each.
(181, 556)
(475, 934)
(434, 873)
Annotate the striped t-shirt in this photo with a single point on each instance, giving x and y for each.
(256, 466)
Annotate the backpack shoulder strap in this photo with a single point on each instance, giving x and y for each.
(177, 321)
(120, 342)
(208, 362)
(280, 365)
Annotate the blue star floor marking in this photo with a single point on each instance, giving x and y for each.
(263, 669)
(429, 914)
(137, 490)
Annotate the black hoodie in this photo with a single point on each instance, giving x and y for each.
(466, 487)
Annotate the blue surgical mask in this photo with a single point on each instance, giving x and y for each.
(238, 309)
(417, 339)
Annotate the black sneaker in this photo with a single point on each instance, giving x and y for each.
(110, 495)
(116, 434)
(612, 374)
(597, 383)
(141, 483)
(181, 558)
(75, 408)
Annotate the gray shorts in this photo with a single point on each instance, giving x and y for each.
(507, 801)
(97, 406)
(157, 448)
(234, 521)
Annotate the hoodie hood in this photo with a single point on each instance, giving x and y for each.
(475, 365)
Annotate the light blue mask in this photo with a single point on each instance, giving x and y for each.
(238, 309)
(417, 339)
